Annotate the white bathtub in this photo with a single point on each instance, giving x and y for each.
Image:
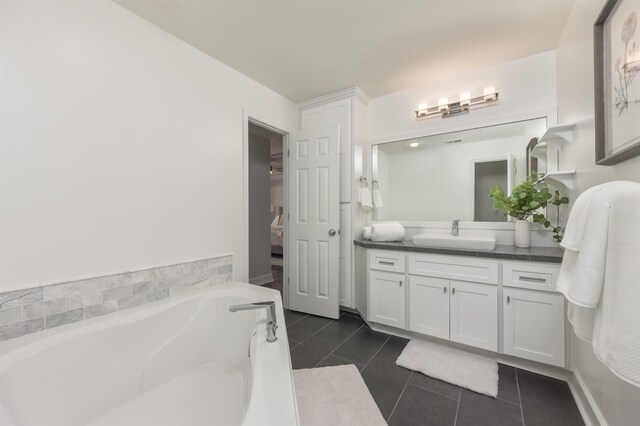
(179, 362)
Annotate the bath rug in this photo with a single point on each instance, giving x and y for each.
(467, 370)
(337, 396)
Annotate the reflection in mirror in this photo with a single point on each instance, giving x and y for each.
(448, 176)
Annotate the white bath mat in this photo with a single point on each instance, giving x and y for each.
(467, 370)
(335, 396)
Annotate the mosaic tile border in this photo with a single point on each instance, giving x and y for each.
(39, 308)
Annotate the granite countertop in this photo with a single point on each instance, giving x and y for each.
(535, 254)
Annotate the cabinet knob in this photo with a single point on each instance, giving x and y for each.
(400, 283)
(508, 299)
(444, 289)
(332, 232)
(453, 290)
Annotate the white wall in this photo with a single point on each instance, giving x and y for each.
(121, 145)
(616, 399)
(525, 85)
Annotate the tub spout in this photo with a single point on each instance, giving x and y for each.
(272, 324)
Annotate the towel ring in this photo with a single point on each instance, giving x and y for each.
(363, 182)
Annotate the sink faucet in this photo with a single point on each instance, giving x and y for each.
(455, 231)
(270, 306)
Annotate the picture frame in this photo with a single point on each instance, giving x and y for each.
(532, 162)
(617, 82)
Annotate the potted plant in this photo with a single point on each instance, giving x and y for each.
(526, 201)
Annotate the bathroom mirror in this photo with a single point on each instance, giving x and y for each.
(448, 176)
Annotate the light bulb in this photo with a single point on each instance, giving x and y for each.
(489, 93)
(414, 144)
(443, 104)
(465, 99)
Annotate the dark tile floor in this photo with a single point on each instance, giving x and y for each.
(410, 398)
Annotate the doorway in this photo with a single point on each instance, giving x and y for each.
(266, 206)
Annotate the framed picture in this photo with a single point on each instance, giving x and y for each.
(617, 81)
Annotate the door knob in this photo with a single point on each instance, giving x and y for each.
(332, 232)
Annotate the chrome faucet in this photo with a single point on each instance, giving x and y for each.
(270, 306)
(455, 231)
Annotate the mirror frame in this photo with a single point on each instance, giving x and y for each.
(549, 113)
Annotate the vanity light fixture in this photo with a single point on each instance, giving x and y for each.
(414, 144)
(446, 109)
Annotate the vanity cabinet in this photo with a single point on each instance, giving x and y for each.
(387, 297)
(533, 313)
(499, 305)
(460, 311)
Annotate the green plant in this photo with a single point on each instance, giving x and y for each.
(526, 200)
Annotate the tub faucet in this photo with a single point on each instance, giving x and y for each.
(455, 230)
(270, 306)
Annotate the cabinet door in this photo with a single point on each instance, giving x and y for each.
(429, 306)
(387, 298)
(474, 314)
(534, 325)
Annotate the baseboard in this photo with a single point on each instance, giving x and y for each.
(262, 279)
(589, 410)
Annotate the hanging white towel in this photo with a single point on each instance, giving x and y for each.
(600, 275)
(377, 198)
(364, 198)
(387, 232)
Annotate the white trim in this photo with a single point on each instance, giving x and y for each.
(589, 410)
(262, 279)
(342, 94)
(242, 274)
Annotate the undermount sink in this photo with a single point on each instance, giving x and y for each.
(480, 243)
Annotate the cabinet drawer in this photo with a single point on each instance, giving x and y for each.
(530, 275)
(385, 261)
(455, 268)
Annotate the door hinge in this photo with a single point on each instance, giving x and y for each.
(288, 153)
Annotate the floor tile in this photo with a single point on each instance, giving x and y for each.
(385, 382)
(547, 401)
(310, 352)
(420, 407)
(476, 409)
(292, 317)
(339, 331)
(332, 360)
(435, 385)
(507, 386)
(392, 349)
(304, 328)
(362, 346)
(293, 344)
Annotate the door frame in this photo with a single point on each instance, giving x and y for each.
(249, 117)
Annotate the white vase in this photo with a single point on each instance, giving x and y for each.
(522, 236)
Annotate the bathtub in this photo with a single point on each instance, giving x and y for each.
(184, 361)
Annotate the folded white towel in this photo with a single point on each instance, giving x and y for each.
(275, 220)
(366, 232)
(387, 232)
(377, 199)
(364, 198)
(600, 275)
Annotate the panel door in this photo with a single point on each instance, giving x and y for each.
(314, 219)
(534, 325)
(474, 314)
(429, 306)
(387, 298)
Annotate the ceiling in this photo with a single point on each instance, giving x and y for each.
(306, 48)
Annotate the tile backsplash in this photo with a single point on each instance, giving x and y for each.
(39, 308)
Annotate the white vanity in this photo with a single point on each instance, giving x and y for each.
(502, 301)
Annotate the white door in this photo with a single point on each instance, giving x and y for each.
(429, 306)
(314, 220)
(474, 314)
(387, 298)
(534, 325)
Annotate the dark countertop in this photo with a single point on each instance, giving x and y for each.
(534, 254)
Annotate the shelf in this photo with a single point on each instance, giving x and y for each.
(564, 178)
(556, 136)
